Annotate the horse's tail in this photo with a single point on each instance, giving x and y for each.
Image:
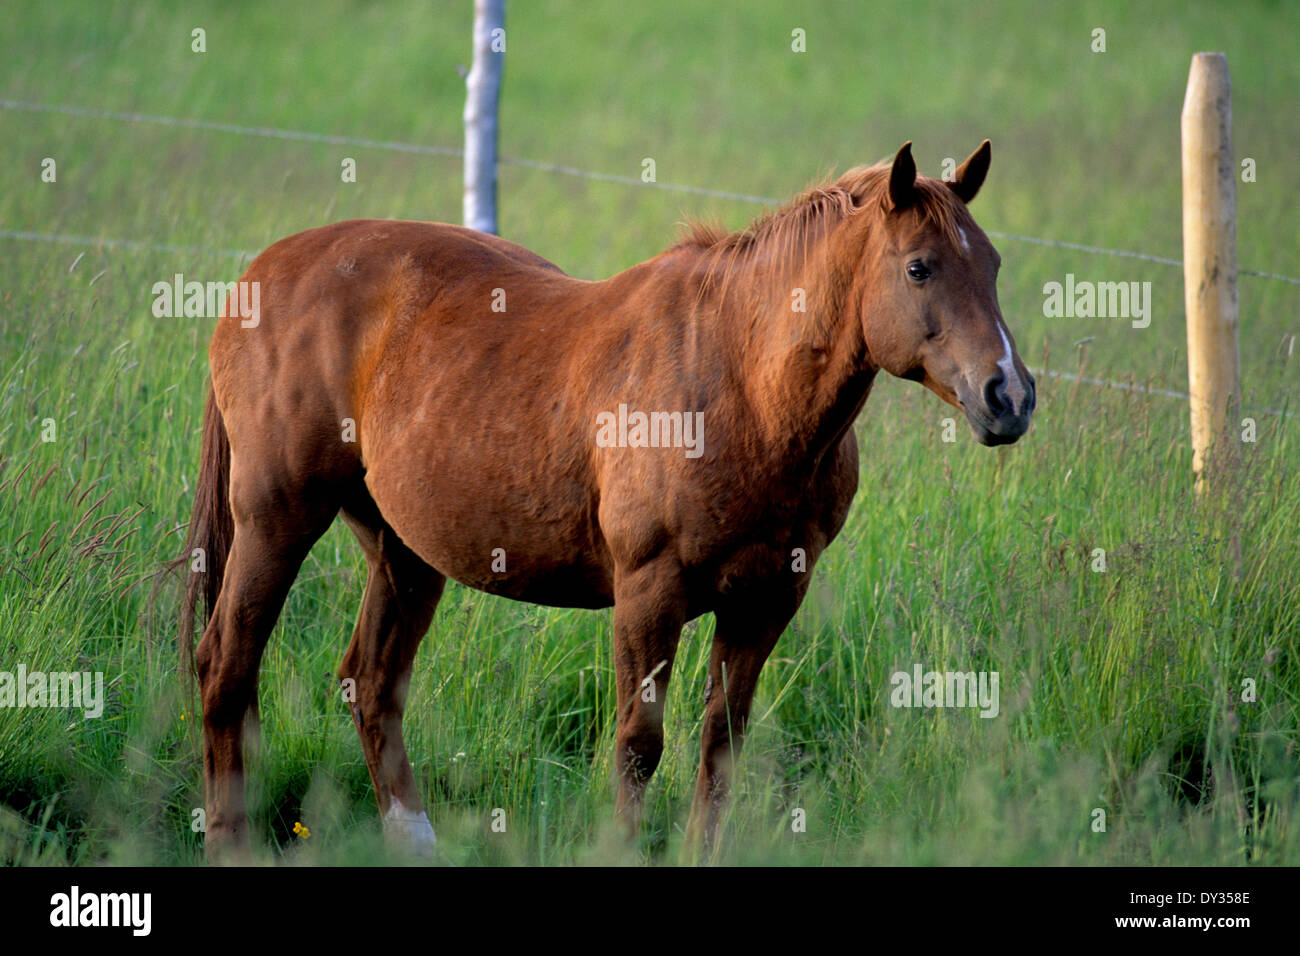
(212, 528)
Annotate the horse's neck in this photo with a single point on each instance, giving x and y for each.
(806, 373)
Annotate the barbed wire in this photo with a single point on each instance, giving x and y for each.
(1135, 387)
(558, 168)
(329, 139)
(112, 243)
(108, 242)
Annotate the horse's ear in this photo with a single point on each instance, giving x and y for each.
(902, 178)
(970, 174)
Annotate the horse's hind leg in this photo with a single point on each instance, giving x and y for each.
(401, 595)
(268, 547)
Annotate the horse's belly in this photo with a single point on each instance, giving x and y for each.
(473, 534)
(568, 586)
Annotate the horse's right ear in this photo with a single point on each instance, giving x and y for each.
(902, 178)
(970, 174)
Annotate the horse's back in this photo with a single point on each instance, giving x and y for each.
(421, 359)
(330, 297)
(353, 244)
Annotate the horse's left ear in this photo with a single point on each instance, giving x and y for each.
(970, 174)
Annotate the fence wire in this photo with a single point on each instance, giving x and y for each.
(557, 168)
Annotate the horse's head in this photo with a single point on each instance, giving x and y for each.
(930, 311)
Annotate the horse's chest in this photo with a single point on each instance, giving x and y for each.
(777, 542)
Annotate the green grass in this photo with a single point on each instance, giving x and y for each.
(1120, 690)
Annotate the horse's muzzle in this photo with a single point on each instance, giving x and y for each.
(993, 414)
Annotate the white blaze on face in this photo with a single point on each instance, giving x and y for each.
(1014, 385)
(964, 244)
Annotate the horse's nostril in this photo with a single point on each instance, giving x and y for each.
(995, 396)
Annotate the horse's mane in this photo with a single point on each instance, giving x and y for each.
(790, 227)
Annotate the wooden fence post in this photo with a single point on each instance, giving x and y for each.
(1210, 265)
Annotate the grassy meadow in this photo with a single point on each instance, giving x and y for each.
(1121, 690)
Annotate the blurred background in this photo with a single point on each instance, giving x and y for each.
(1121, 688)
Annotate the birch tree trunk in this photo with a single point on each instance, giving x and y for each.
(482, 91)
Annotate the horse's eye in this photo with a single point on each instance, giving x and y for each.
(917, 271)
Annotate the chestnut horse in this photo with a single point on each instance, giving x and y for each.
(669, 441)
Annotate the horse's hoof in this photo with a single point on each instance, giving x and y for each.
(227, 848)
(409, 831)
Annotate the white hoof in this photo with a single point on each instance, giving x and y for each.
(409, 830)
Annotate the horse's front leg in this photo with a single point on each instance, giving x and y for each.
(649, 610)
(748, 627)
